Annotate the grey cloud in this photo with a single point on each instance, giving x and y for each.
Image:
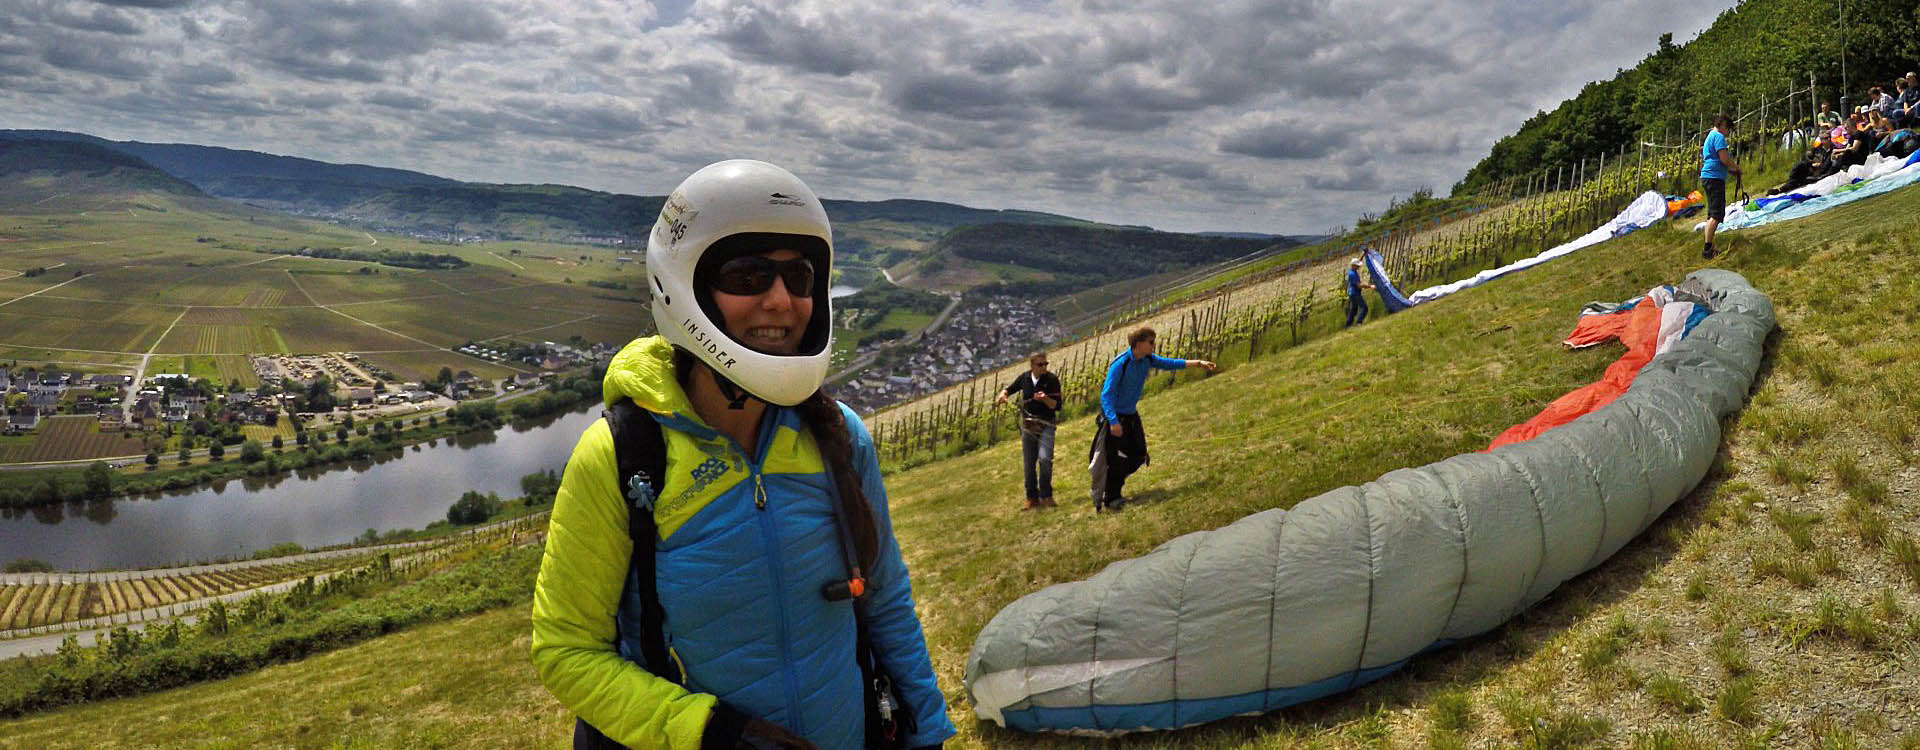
(1000, 58)
(342, 39)
(871, 141)
(101, 19)
(150, 4)
(834, 44)
(201, 75)
(1286, 139)
(93, 58)
(1350, 178)
(708, 86)
(953, 94)
(1426, 144)
(314, 101)
(398, 100)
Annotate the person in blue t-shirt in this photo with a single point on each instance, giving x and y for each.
(1356, 302)
(1716, 162)
(1119, 443)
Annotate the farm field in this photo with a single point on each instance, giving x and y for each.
(334, 283)
(282, 429)
(425, 365)
(216, 368)
(455, 319)
(37, 604)
(68, 359)
(71, 437)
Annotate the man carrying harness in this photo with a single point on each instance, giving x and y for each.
(1039, 402)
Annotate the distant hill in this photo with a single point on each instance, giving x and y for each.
(254, 176)
(943, 215)
(66, 166)
(1062, 259)
(1078, 254)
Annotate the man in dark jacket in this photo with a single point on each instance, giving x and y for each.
(1039, 402)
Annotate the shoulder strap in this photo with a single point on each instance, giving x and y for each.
(640, 451)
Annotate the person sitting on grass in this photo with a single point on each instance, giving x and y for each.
(1860, 142)
(1828, 119)
(1802, 173)
(1908, 101)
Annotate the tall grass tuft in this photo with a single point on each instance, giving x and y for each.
(1737, 702)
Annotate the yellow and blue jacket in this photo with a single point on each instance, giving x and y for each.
(746, 543)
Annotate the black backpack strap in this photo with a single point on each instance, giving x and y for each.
(640, 451)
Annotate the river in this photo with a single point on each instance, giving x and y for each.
(401, 489)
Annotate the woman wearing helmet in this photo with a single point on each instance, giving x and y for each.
(748, 532)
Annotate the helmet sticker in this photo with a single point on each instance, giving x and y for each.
(675, 217)
(782, 199)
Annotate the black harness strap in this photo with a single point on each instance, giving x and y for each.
(641, 453)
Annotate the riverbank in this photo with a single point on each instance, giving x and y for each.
(351, 441)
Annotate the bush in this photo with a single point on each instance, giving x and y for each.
(28, 565)
(472, 508)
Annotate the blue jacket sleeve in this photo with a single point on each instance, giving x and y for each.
(892, 624)
(1163, 363)
(1115, 373)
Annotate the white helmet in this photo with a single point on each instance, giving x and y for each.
(743, 200)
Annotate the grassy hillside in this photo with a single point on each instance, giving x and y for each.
(1053, 260)
(32, 171)
(1775, 606)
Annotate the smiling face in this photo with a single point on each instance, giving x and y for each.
(771, 322)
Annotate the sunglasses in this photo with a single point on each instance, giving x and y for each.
(749, 275)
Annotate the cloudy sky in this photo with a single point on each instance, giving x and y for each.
(1284, 116)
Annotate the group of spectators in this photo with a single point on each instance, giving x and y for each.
(1882, 125)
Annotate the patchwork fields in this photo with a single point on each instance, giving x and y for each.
(200, 284)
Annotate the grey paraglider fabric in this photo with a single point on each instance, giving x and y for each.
(1285, 606)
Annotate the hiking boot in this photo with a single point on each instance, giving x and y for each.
(1116, 505)
(1047, 502)
(1706, 252)
(1031, 504)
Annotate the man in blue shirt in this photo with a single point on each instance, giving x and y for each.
(1120, 444)
(1715, 163)
(1356, 302)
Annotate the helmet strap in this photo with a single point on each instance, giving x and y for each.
(735, 395)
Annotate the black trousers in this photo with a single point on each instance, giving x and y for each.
(1124, 455)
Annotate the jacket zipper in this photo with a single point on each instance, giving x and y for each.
(771, 541)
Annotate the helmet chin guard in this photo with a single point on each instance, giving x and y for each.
(739, 197)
